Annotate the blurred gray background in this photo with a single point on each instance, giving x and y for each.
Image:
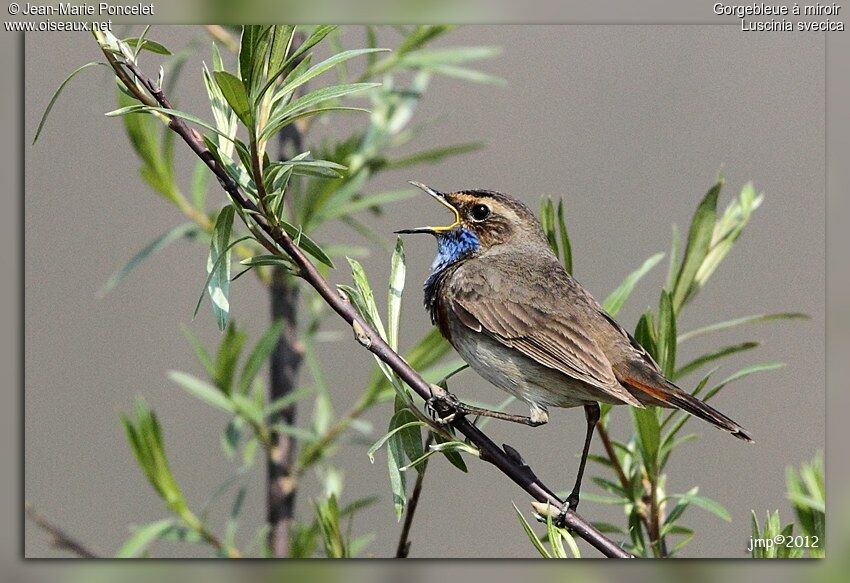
(628, 124)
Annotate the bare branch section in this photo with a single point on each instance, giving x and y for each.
(279, 243)
(59, 538)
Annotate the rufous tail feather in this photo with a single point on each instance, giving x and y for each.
(672, 396)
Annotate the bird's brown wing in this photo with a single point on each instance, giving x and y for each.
(545, 327)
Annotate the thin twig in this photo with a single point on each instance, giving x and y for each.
(403, 548)
(59, 538)
(279, 243)
(625, 483)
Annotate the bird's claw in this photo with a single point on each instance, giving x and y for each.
(560, 521)
(443, 406)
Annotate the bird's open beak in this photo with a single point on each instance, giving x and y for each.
(441, 198)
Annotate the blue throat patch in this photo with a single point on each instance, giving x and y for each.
(451, 248)
(454, 246)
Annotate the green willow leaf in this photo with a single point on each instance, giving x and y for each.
(285, 401)
(394, 293)
(434, 155)
(755, 319)
(566, 247)
(706, 504)
(364, 203)
(218, 266)
(453, 456)
(202, 390)
(147, 45)
(666, 335)
(532, 536)
(318, 69)
(143, 537)
(467, 74)
(699, 243)
(617, 299)
(307, 244)
(380, 443)
(186, 230)
(200, 350)
(711, 357)
(172, 112)
(648, 433)
(395, 461)
(234, 93)
(267, 260)
(744, 372)
(425, 58)
(56, 94)
(259, 355)
(283, 115)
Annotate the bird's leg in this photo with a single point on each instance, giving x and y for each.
(444, 406)
(591, 413)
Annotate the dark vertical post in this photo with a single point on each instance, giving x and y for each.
(284, 366)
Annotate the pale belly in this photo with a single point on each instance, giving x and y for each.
(519, 375)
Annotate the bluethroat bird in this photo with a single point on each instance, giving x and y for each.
(500, 296)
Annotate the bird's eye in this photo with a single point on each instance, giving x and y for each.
(480, 212)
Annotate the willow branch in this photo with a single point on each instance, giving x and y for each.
(279, 243)
(59, 538)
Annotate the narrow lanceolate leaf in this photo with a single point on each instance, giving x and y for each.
(147, 45)
(259, 355)
(547, 221)
(320, 68)
(395, 461)
(380, 443)
(648, 434)
(426, 58)
(307, 244)
(532, 536)
(218, 266)
(615, 302)
(699, 243)
(711, 357)
(666, 334)
(226, 120)
(283, 115)
(250, 53)
(743, 373)
(368, 298)
(755, 319)
(374, 201)
(318, 34)
(234, 93)
(728, 228)
(187, 230)
(56, 96)
(171, 112)
(395, 289)
(706, 504)
(566, 247)
(142, 538)
(467, 74)
(434, 155)
(267, 260)
(204, 391)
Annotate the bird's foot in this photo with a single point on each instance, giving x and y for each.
(444, 406)
(561, 520)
